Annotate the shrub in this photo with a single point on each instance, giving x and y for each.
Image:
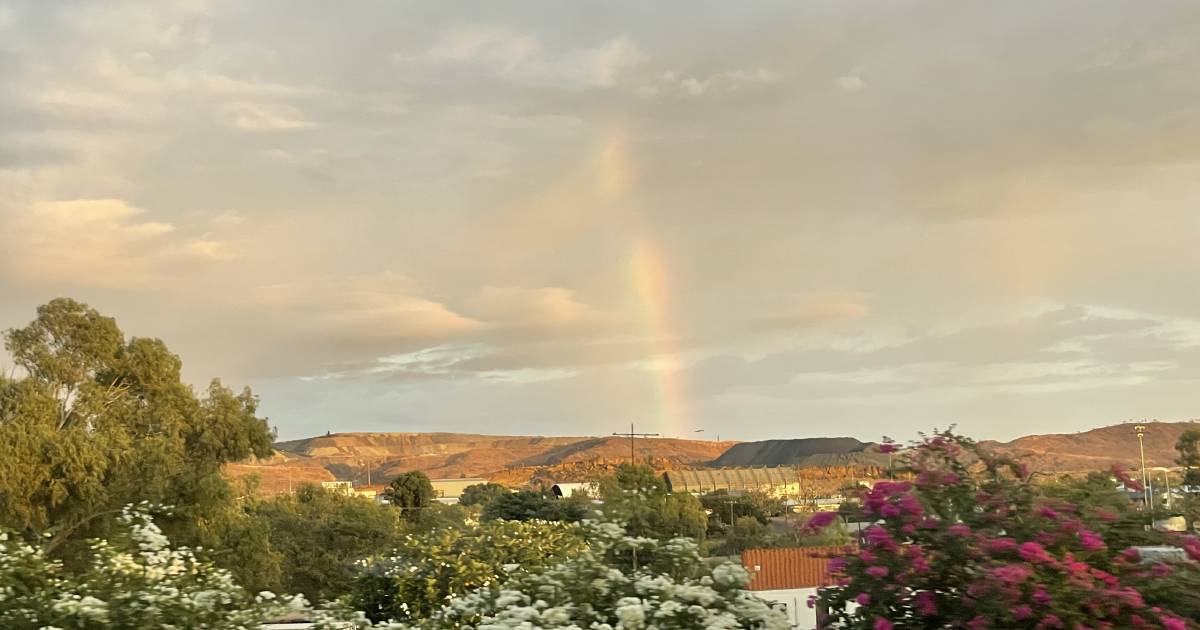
(137, 581)
(968, 542)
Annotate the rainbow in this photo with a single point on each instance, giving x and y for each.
(651, 286)
(650, 283)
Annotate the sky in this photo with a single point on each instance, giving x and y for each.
(745, 220)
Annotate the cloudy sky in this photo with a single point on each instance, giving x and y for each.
(771, 219)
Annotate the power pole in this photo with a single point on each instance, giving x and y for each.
(632, 436)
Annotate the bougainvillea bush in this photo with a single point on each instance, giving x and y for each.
(967, 541)
(136, 581)
(672, 587)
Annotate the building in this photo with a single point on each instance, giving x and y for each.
(565, 490)
(778, 481)
(787, 577)
(449, 490)
(344, 487)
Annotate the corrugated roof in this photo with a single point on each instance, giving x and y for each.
(801, 567)
(748, 479)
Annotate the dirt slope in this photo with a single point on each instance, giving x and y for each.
(1098, 449)
(513, 460)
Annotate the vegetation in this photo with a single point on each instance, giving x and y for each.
(97, 422)
(525, 505)
(416, 578)
(673, 589)
(410, 491)
(481, 494)
(639, 498)
(971, 543)
(318, 537)
(131, 582)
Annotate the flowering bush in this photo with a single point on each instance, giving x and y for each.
(135, 582)
(672, 588)
(968, 542)
(418, 577)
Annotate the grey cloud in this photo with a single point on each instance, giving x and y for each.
(821, 253)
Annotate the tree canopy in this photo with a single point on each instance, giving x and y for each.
(410, 491)
(97, 421)
(481, 493)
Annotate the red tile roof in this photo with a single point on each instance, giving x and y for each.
(802, 567)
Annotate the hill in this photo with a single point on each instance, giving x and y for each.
(518, 461)
(803, 452)
(513, 460)
(1097, 449)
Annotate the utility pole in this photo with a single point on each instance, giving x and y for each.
(632, 436)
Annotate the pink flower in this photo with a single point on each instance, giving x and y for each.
(882, 624)
(1033, 552)
(863, 599)
(877, 572)
(1126, 480)
(1173, 623)
(888, 447)
(836, 565)
(1048, 512)
(1022, 612)
(821, 520)
(910, 505)
(1051, 621)
(1090, 541)
(1041, 597)
(812, 601)
(889, 511)
(925, 603)
(998, 546)
(1012, 573)
(958, 529)
(879, 538)
(978, 623)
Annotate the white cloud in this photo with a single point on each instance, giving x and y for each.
(602, 66)
(520, 57)
(382, 305)
(731, 81)
(850, 83)
(265, 117)
(98, 243)
(492, 44)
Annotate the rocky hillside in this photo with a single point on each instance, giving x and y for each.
(1098, 449)
(523, 460)
(512, 460)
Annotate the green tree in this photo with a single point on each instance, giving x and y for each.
(638, 497)
(747, 533)
(1188, 447)
(525, 505)
(411, 492)
(481, 493)
(97, 422)
(319, 535)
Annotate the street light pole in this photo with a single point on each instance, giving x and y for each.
(1141, 431)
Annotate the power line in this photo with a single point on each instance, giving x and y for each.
(633, 436)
